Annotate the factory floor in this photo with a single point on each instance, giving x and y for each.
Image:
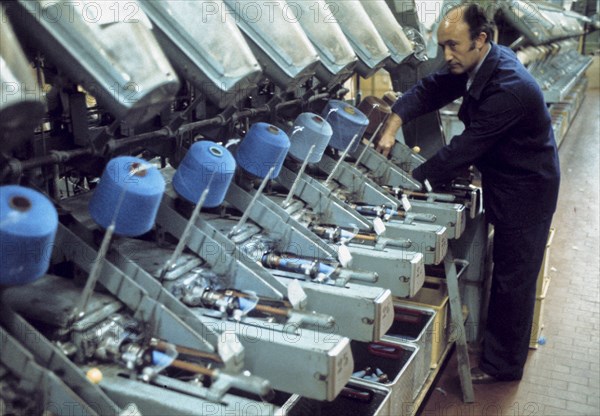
(562, 377)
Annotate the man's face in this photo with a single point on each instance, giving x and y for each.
(462, 54)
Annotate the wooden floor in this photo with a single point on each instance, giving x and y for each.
(562, 377)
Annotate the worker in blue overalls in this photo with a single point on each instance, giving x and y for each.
(508, 136)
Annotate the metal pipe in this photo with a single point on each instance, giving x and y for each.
(54, 158)
(193, 368)
(113, 145)
(163, 346)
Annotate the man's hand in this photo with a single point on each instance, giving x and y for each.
(388, 137)
(385, 143)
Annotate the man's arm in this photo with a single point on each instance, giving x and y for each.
(429, 94)
(388, 137)
(494, 121)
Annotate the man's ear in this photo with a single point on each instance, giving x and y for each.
(480, 40)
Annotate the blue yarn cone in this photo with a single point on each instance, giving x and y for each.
(142, 187)
(205, 163)
(309, 129)
(346, 122)
(28, 224)
(263, 146)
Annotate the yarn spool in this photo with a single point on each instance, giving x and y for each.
(205, 164)
(28, 223)
(346, 122)
(309, 129)
(263, 146)
(130, 190)
(377, 111)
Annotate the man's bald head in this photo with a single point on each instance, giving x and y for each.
(464, 35)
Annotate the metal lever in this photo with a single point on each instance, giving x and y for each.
(246, 214)
(290, 195)
(186, 233)
(337, 165)
(368, 145)
(90, 284)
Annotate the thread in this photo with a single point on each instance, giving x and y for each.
(309, 129)
(376, 110)
(346, 122)
(263, 146)
(205, 164)
(132, 187)
(28, 223)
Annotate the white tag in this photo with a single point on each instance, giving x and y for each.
(344, 255)
(405, 203)
(427, 185)
(378, 226)
(296, 295)
(229, 347)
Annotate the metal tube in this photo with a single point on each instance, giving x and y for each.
(193, 368)
(163, 346)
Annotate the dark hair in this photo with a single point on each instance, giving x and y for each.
(474, 16)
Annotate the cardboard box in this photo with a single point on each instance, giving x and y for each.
(434, 295)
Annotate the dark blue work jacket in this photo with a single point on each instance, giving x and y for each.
(508, 136)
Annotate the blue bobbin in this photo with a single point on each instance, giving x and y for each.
(263, 146)
(346, 121)
(130, 189)
(309, 129)
(28, 224)
(206, 163)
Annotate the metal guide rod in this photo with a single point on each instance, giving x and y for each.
(290, 194)
(438, 196)
(90, 284)
(324, 321)
(193, 368)
(464, 367)
(183, 240)
(163, 346)
(337, 165)
(368, 144)
(372, 210)
(246, 214)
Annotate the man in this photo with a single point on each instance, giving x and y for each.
(508, 137)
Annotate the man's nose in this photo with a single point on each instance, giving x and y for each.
(447, 54)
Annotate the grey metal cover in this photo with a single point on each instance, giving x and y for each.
(337, 56)
(541, 23)
(276, 38)
(206, 48)
(362, 34)
(106, 47)
(390, 30)
(21, 104)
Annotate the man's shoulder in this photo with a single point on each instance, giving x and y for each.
(510, 72)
